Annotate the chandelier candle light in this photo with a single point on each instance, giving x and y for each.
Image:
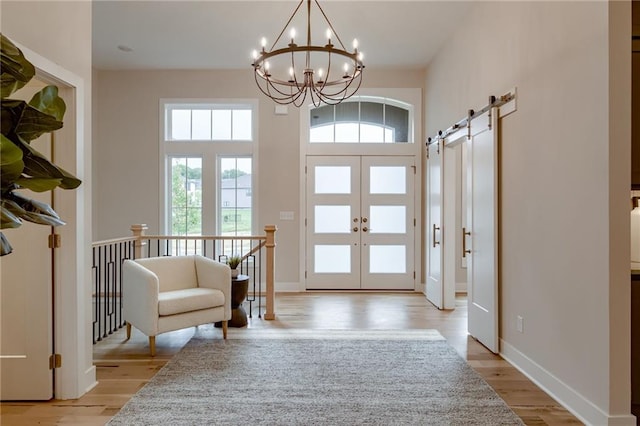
(289, 74)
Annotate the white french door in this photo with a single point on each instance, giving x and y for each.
(360, 222)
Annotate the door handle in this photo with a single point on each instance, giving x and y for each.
(365, 229)
(433, 235)
(355, 229)
(364, 219)
(464, 242)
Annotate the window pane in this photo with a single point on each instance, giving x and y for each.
(397, 119)
(181, 124)
(387, 259)
(370, 133)
(388, 219)
(365, 121)
(333, 180)
(321, 134)
(186, 196)
(332, 259)
(242, 125)
(347, 132)
(235, 196)
(333, 219)
(222, 124)
(201, 124)
(388, 180)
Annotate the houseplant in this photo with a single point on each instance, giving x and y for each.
(22, 167)
(233, 262)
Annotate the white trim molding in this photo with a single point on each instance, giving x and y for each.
(573, 401)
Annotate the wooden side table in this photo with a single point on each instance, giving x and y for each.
(239, 290)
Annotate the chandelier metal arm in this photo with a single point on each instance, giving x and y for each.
(328, 23)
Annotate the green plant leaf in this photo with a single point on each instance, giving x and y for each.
(10, 214)
(33, 206)
(42, 219)
(38, 184)
(16, 70)
(48, 101)
(5, 247)
(25, 121)
(29, 210)
(11, 164)
(38, 166)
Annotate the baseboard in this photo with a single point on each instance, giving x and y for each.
(89, 379)
(461, 287)
(577, 404)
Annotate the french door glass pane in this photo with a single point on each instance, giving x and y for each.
(332, 219)
(388, 219)
(388, 180)
(389, 259)
(330, 259)
(333, 180)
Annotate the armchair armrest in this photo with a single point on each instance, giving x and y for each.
(140, 288)
(216, 275)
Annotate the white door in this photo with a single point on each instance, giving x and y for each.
(360, 223)
(482, 225)
(435, 282)
(26, 336)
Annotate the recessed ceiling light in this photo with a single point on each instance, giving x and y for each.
(125, 48)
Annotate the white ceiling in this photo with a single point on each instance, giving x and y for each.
(222, 34)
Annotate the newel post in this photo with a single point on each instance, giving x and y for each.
(138, 232)
(270, 244)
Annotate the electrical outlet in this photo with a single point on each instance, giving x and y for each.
(520, 324)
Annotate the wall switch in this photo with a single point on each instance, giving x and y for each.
(520, 324)
(286, 216)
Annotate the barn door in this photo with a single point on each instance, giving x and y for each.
(482, 229)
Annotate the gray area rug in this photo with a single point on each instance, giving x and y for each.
(312, 377)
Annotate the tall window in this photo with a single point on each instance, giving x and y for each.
(207, 150)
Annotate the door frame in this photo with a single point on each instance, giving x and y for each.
(411, 96)
(72, 263)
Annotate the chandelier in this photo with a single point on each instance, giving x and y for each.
(290, 73)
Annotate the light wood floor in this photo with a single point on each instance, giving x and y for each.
(124, 367)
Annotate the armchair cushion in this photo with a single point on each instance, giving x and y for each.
(175, 272)
(187, 300)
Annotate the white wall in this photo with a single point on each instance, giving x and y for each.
(127, 149)
(60, 33)
(564, 257)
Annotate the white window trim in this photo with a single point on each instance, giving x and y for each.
(209, 151)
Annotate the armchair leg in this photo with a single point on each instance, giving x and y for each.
(152, 345)
(224, 329)
(128, 331)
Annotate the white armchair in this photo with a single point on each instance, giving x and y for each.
(163, 294)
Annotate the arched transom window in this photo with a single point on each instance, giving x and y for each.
(362, 120)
